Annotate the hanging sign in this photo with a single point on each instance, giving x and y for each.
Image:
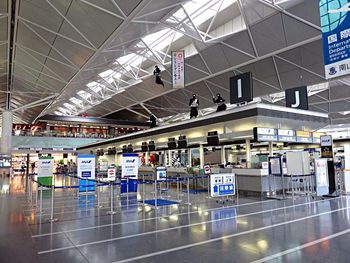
(178, 69)
(335, 24)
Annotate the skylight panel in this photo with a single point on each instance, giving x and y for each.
(106, 73)
(85, 95)
(69, 106)
(76, 101)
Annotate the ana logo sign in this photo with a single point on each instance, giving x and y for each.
(86, 161)
(46, 162)
(130, 161)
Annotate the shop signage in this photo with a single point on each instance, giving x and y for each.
(297, 98)
(335, 24)
(178, 68)
(130, 165)
(241, 88)
(222, 184)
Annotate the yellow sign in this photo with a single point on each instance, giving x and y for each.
(317, 134)
(303, 134)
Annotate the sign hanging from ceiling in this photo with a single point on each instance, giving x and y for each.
(335, 23)
(297, 98)
(178, 69)
(241, 88)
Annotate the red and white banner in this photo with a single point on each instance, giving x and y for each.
(178, 69)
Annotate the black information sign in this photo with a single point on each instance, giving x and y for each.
(297, 98)
(241, 88)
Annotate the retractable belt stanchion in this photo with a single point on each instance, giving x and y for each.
(208, 187)
(86, 190)
(111, 212)
(143, 189)
(52, 219)
(177, 188)
(41, 199)
(188, 191)
(127, 191)
(155, 194)
(97, 187)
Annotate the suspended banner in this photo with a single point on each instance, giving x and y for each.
(178, 69)
(335, 23)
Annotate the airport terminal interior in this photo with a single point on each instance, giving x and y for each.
(174, 131)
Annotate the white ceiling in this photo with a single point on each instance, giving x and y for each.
(62, 45)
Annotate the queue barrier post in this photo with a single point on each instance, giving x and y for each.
(52, 219)
(98, 195)
(111, 212)
(41, 200)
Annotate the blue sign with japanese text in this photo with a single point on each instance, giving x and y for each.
(335, 23)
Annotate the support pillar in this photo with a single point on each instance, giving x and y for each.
(248, 153)
(189, 156)
(223, 155)
(201, 156)
(147, 158)
(6, 132)
(270, 148)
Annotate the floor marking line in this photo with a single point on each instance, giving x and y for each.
(172, 228)
(146, 219)
(223, 237)
(309, 244)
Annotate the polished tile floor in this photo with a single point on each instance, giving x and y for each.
(247, 230)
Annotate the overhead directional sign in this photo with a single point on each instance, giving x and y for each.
(297, 98)
(241, 88)
(335, 24)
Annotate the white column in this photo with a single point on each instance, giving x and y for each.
(189, 156)
(169, 157)
(6, 133)
(270, 148)
(201, 156)
(147, 158)
(223, 155)
(248, 153)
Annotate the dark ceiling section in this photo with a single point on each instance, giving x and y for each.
(126, 115)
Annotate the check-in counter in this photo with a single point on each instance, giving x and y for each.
(255, 181)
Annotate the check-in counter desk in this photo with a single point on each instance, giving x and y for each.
(255, 181)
